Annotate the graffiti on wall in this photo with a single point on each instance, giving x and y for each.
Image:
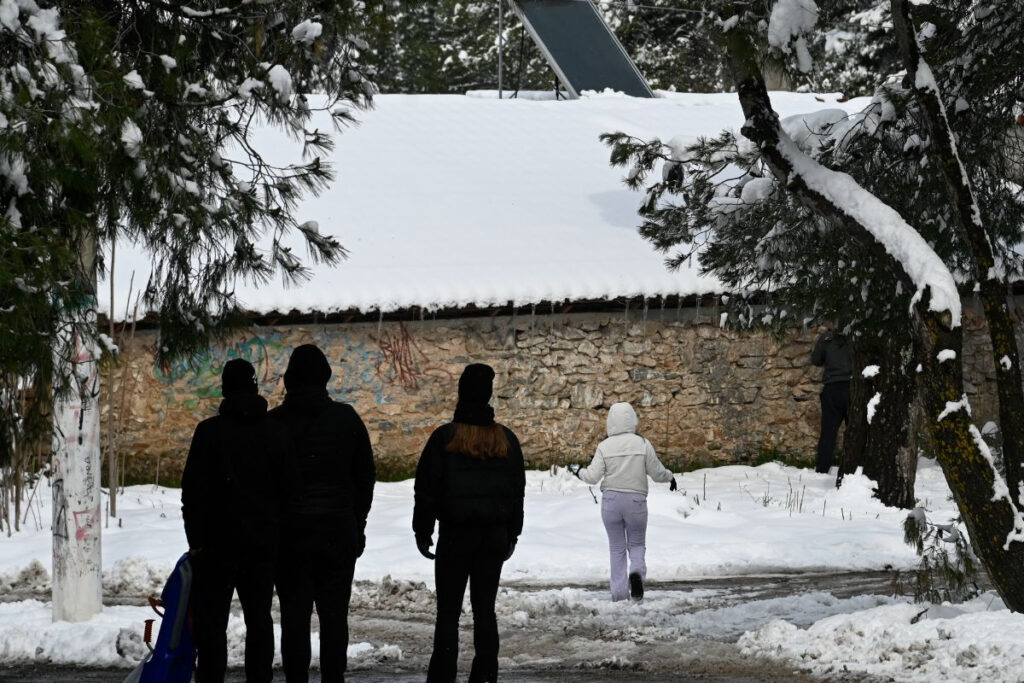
(359, 366)
(201, 372)
(353, 366)
(403, 362)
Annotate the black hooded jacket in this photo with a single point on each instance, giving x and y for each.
(833, 352)
(230, 489)
(460, 490)
(331, 468)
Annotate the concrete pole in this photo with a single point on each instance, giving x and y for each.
(77, 566)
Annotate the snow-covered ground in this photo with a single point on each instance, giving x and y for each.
(728, 521)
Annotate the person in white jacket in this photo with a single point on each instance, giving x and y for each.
(622, 464)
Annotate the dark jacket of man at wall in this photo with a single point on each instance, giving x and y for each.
(470, 478)
(231, 505)
(833, 352)
(330, 489)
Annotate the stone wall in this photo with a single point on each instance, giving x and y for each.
(703, 394)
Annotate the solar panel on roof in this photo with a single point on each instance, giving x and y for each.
(580, 46)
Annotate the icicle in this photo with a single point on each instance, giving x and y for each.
(380, 321)
(533, 315)
(645, 316)
(662, 308)
(679, 307)
(552, 325)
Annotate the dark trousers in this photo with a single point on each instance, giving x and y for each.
(475, 555)
(835, 399)
(216, 577)
(315, 572)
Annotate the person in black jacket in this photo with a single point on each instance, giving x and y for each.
(833, 352)
(331, 478)
(470, 479)
(231, 506)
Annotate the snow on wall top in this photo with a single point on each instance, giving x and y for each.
(446, 200)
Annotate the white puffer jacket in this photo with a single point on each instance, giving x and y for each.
(625, 459)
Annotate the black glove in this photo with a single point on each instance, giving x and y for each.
(511, 549)
(423, 544)
(672, 485)
(575, 469)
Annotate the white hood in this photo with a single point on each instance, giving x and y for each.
(621, 419)
(625, 459)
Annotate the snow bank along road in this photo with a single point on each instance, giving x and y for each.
(680, 632)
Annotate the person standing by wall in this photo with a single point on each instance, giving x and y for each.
(833, 352)
(470, 478)
(331, 475)
(622, 464)
(231, 505)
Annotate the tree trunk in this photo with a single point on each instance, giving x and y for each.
(879, 444)
(111, 431)
(969, 223)
(77, 519)
(856, 436)
(993, 522)
(995, 525)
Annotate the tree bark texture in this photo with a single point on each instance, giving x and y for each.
(856, 435)
(969, 222)
(992, 520)
(882, 446)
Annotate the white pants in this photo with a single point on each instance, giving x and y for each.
(625, 520)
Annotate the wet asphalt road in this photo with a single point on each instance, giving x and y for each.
(57, 675)
(679, 658)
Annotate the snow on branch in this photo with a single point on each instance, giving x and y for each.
(1000, 491)
(900, 240)
(790, 20)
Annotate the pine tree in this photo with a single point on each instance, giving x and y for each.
(763, 212)
(670, 43)
(449, 47)
(136, 121)
(855, 47)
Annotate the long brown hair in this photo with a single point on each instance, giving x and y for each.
(479, 441)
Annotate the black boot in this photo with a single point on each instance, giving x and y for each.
(636, 586)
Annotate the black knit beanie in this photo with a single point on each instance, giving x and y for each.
(238, 377)
(476, 383)
(308, 366)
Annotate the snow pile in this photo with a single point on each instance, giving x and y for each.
(114, 638)
(976, 641)
(669, 615)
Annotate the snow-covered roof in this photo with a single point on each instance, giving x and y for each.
(447, 200)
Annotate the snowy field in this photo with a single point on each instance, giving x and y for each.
(733, 521)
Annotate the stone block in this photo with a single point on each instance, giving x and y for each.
(588, 348)
(574, 333)
(643, 374)
(586, 396)
(551, 383)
